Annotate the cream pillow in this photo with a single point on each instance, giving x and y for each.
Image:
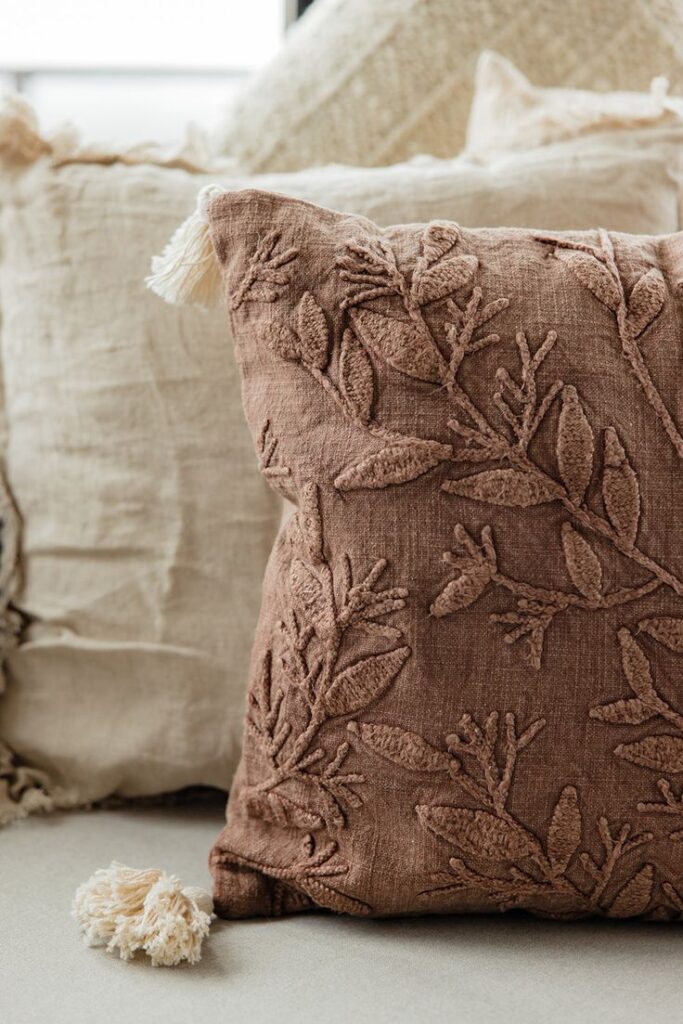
(374, 81)
(146, 526)
(508, 112)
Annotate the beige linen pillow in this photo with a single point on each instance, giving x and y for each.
(146, 526)
(508, 112)
(371, 83)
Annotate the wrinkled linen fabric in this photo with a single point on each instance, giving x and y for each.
(461, 692)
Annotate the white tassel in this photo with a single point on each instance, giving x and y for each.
(187, 272)
(126, 909)
(20, 140)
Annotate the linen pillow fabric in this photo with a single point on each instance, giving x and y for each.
(374, 83)
(462, 690)
(146, 526)
(508, 112)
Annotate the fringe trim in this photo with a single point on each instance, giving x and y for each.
(23, 790)
(22, 143)
(188, 273)
(127, 910)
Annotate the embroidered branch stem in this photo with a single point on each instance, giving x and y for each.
(520, 869)
(659, 752)
(312, 634)
(628, 327)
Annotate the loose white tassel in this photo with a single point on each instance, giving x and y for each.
(187, 272)
(126, 909)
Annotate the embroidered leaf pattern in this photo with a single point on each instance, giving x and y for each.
(583, 565)
(313, 336)
(401, 747)
(305, 785)
(663, 753)
(564, 831)
(313, 677)
(281, 810)
(509, 487)
(594, 275)
(634, 898)
(364, 682)
(620, 490)
(436, 282)
(357, 379)
(282, 340)
(666, 630)
(461, 592)
(268, 272)
(332, 899)
(479, 833)
(401, 344)
(627, 711)
(646, 301)
(397, 463)
(637, 668)
(574, 445)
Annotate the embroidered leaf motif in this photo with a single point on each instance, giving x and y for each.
(620, 490)
(574, 445)
(280, 809)
(634, 898)
(646, 301)
(401, 344)
(436, 282)
(593, 275)
(313, 336)
(331, 899)
(637, 668)
(662, 753)
(281, 340)
(310, 596)
(513, 488)
(564, 831)
(357, 379)
(479, 833)
(665, 630)
(398, 463)
(363, 682)
(403, 748)
(624, 712)
(438, 239)
(583, 564)
(461, 592)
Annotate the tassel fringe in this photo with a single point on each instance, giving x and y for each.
(128, 910)
(187, 273)
(20, 140)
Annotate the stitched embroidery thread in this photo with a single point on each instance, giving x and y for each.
(500, 858)
(305, 684)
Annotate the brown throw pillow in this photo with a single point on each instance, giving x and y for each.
(465, 690)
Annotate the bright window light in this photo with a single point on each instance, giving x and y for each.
(128, 71)
(140, 33)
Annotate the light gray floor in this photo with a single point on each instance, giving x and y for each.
(314, 968)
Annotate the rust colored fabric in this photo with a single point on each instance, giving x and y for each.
(465, 692)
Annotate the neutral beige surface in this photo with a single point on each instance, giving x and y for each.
(307, 969)
(509, 112)
(374, 82)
